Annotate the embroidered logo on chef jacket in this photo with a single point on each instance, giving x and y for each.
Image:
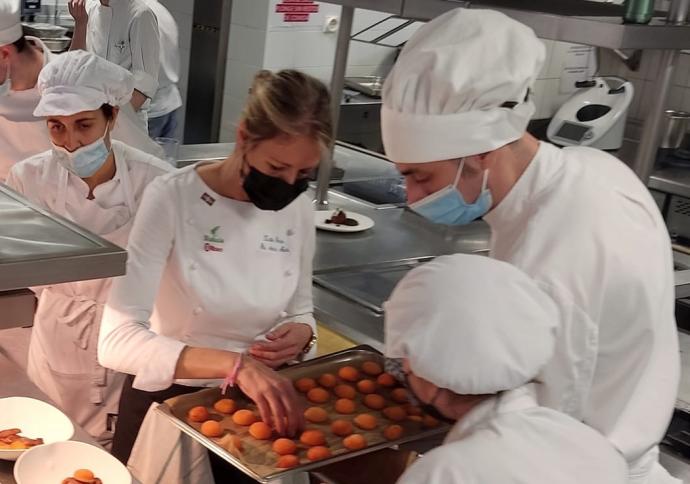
(212, 240)
(208, 199)
(271, 243)
(120, 46)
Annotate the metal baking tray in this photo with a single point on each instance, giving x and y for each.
(176, 410)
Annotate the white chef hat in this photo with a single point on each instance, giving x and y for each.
(10, 21)
(471, 324)
(81, 81)
(445, 97)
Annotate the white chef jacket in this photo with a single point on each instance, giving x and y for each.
(583, 225)
(62, 359)
(23, 135)
(167, 98)
(509, 439)
(222, 274)
(126, 33)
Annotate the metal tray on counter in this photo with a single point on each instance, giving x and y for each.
(369, 85)
(258, 460)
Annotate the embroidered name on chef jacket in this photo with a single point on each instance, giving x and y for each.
(276, 243)
(213, 241)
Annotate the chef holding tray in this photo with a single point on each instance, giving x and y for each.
(226, 271)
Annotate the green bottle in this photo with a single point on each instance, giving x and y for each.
(638, 11)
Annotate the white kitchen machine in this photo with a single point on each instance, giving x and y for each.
(594, 116)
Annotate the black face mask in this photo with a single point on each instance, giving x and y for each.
(271, 193)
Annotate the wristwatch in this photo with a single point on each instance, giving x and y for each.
(310, 344)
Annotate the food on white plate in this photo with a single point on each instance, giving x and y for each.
(11, 439)
(341, 218)
(82, 476)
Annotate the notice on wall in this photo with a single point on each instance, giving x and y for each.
(297, 10)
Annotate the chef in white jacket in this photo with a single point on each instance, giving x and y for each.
(98, 184)
(21, 133)
(124, 32)
(455, 111)
(473, 334)
(223, 252)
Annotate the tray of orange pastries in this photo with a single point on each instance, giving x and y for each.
(352, 407)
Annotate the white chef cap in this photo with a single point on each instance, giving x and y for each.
(443, 99)
(471, 324)
(10, 21)
(81, 81)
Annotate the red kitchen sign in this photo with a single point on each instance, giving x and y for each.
(297, 10)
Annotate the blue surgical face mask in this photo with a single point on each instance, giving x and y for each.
(85, 161)
(448, 207)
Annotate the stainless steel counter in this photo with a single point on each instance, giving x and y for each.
(674, 181)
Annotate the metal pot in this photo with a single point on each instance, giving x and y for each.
(677, 125)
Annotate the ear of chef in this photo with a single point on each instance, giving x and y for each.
(83, 128)
(470, 325)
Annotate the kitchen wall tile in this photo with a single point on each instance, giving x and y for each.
(676, 97)
(681, 76)
(250, 13)
(246, 45)
(540, 93)
(369, 55)
(184, 26)
(181, 6)
(634, 111)
(238, 79)
(321, 73)
(647, 100)
(548, 45)
(232, 109)
(313, 49)
(279, 50)
(649, 67)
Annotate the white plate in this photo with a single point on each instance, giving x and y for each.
(320, 217)
(51, 463)
(36, 419)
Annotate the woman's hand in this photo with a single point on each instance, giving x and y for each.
(284, 344)
(77, 8)
(273, 394)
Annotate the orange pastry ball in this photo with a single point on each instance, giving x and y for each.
(393, 432)
(415, 418)
(318, 395)
(305, 384)
(349, 373)
(211, 428)
(372, 368)
(345, 391)
(260, 431)
(225, 405)
(312, 437)
(318, 453)
(284, 446)
(366, 386)
(396, 414)
(316, 414)
(374, 401)
(355, 442)
(287, 461)
(341, 428)
(399, 395)
(365, 421)
(345, 406)
(430, 422)
(84, 475)
(386, 380)
(328, 380)
(413, 410)
(198, 414)
(244, 417)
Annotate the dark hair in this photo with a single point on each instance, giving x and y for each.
(21, 44)
(108, 111)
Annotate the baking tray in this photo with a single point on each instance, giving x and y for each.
(257, 460)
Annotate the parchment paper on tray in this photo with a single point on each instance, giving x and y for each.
(256, 457)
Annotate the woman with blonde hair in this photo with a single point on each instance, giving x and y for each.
(218, 280)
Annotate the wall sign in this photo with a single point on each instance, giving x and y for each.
(297, 10)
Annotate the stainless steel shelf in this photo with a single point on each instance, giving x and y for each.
(39, 248)
(590, 23)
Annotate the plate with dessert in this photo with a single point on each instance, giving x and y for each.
(342, 221)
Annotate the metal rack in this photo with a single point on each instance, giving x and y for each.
(39, 248)
(576, 21)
